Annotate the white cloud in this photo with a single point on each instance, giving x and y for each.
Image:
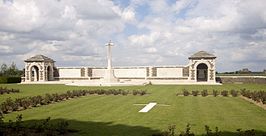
(21, 15)
(5, 49)
(151, 50)
(157, 32)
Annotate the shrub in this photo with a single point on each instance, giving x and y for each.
(5, 80)
(8, 106)
(135, 92)
(195, 93)
(187, 132)
(246, 93)
(21, 103)
(234, 93)
(210, 133)
(204, 93)
(255, 96)
(246, 132)
(83, 92)
(208, 130)
(169, 132)
(186, 92)
(62, 127)
(108, 92)
(35, 100)
(125, 92)
(100, 92)
(224, 93)
(115, 92)
(43, 128)
(142, 92)
(263, 97)
(56, 97)
(215, 93)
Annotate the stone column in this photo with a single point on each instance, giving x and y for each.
(27, 73)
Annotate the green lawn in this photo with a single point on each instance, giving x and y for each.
(116, 115)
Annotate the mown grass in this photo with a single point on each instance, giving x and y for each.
(116, 115)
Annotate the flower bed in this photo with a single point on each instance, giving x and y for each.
(7, 91)
(27, 102)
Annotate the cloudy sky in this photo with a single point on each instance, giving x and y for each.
(145, 32)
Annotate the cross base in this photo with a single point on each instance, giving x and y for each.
(109, 76)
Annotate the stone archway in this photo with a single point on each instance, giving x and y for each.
(34, 73)
(202, 72)
(39, 68)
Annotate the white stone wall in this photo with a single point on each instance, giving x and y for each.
(98, 72)
(130, 72)
(134, 72)
(69, 72)
(170, 72)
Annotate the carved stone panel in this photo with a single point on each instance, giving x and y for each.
(211, 75)
(82, 72)
(211, 64)
(192, 74)
(154, 72)
(27, 75)
(41, 75)
(147, 72)
(194, 64)
(185, 71)
(89, 72)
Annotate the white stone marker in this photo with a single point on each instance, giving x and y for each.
(148, 107)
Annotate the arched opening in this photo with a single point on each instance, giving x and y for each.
(49, 73)
(34, 73)
(202, 72)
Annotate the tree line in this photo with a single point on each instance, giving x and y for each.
(10, 70)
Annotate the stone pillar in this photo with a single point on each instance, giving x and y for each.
(42, 72)
(27, 72)
(86, 72)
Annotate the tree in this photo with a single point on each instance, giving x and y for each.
(10, 71)
(3, 69)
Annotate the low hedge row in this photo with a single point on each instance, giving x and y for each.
(7, 91)
(171, 131)
(258, 96)
(4, 80)
(39, 128)
(27, 102)
(205, 93)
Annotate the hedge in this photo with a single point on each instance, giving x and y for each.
(4, 80)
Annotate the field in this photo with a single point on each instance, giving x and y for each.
(117, 115)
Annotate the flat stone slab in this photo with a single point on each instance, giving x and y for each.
(148, 107)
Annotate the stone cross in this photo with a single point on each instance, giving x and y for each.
(109, 73)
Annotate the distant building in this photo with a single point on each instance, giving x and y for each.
(245, 70)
